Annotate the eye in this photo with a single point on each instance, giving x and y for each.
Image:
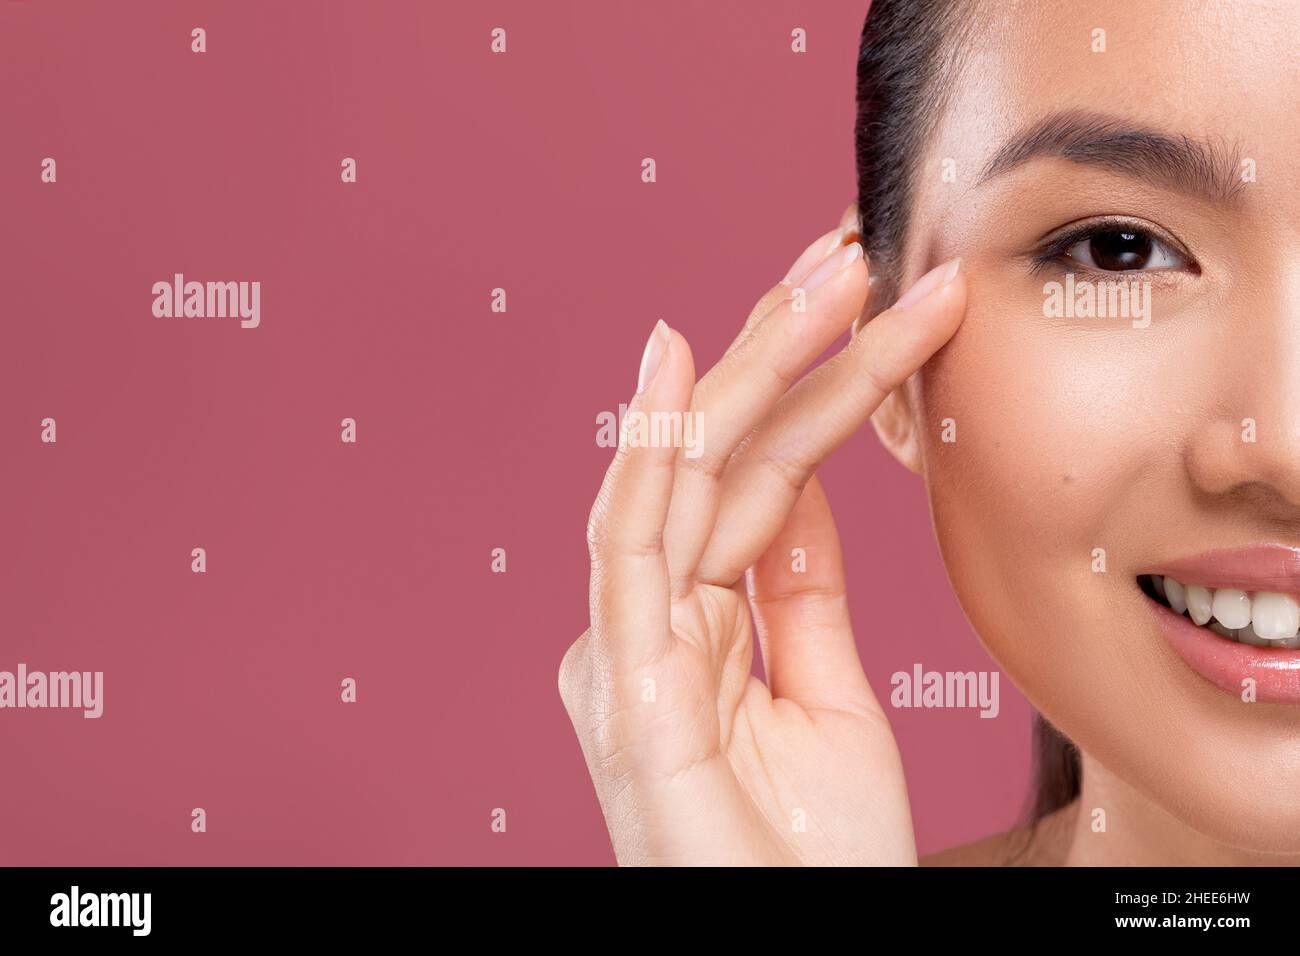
(1119, 248)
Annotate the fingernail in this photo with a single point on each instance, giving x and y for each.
(833, 264)
(936, 278)
(821, 247)
(652, 356)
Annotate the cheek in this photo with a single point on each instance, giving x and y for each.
(1070, 439)
(1052, 459)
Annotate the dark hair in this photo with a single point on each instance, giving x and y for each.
(910, 49)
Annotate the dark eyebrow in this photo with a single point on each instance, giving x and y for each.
(1207, 170)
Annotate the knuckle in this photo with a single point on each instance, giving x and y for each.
(572, 666)
(608, 538)
(709, 464)
(802, 594)
(874, 360)
(783, 371)
(598, 529)
(789, 469)
(880, 380)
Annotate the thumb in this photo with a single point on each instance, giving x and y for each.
(797, 594)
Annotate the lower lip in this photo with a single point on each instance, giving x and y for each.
(1226, 664)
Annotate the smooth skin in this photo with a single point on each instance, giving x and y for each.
(695, 761)
(1074, 434)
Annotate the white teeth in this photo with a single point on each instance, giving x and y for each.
(1262, 619)
(1247, 635)
(1275, 616)
(1199, 604)
(1231, 607)
(1176, 595)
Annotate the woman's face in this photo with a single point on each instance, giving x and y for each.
(1154, 434)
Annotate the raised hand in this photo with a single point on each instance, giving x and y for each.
(694, 760)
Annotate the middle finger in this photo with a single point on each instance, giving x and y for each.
(738, 392)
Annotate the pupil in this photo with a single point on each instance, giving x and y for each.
(1116, 251)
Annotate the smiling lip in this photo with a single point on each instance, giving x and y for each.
(1259, 568)
(1227, 664)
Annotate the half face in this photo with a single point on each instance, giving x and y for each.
(1120, 509)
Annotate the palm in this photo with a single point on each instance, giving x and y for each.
(695, 760)
(788, 783)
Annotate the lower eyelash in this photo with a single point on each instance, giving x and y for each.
(1053, 265)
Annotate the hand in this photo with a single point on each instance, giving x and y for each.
(694, 760)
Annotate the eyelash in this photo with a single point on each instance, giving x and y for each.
(1054, 253)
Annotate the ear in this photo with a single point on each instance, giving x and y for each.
(849, 231)
(895, 418)
(895, 424)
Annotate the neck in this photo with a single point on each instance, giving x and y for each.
(1112, 824)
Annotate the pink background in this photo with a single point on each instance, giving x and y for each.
(476, 429)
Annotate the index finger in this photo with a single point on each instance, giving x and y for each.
(816, 416)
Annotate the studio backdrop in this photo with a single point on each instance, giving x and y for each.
(316, 316)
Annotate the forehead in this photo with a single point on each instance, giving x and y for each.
(1225, 72)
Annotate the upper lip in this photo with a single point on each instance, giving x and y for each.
(1262, 567)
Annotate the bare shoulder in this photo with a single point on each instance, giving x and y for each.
(1043, 845)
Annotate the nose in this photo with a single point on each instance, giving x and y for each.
(1249, 449)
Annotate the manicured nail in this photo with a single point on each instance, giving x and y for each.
(652, 356)
(935, 279)
(821, 247)
(833, 264)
